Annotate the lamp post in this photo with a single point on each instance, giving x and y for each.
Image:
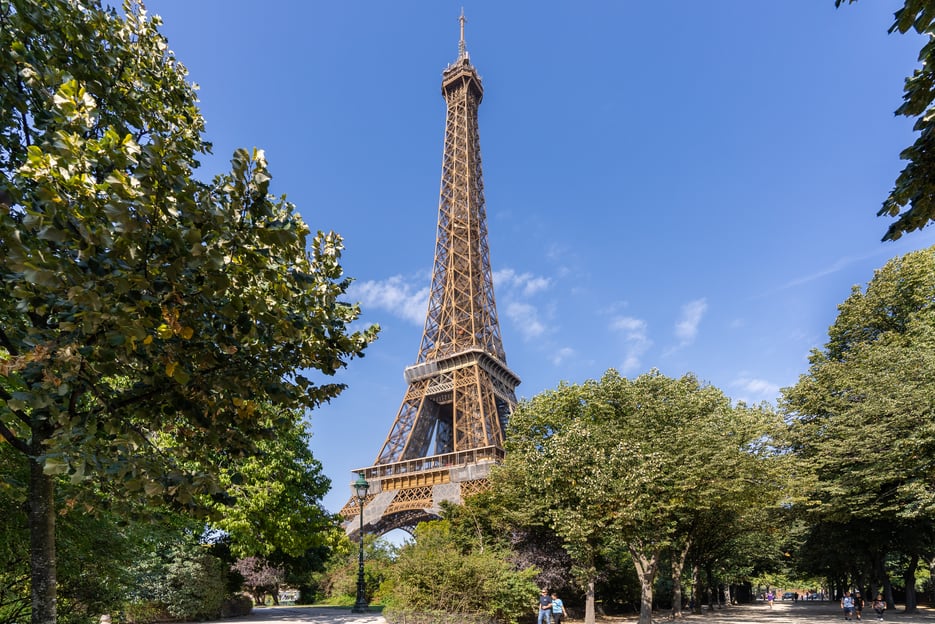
(360, 488)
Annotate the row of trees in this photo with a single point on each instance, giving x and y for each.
(835, 488)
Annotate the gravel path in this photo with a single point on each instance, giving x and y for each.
(783, 612)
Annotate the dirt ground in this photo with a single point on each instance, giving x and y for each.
(783, 612)
(788, 612)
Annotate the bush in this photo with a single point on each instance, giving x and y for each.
(194, 586)
(233, 606)
(432, 574)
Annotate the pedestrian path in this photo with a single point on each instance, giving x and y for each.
(804, 612)
(313, 615)
(783, 612)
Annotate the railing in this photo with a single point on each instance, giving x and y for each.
(434, 462)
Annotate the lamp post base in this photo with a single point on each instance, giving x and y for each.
(360, 608)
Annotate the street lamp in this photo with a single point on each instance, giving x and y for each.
(360, 488)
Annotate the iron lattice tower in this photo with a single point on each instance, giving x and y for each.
(450, 427)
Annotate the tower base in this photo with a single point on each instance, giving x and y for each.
(403, 494)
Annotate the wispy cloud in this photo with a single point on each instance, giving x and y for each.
(754, 390)
(526, 319)
(636, 339)
(687, 327)
(562, 354)
(394, 295)
(527, 283)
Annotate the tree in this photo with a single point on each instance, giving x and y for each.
(860, 417)
(144, 315)
(276, 508)
(260, 578)
(435, 574)
(626, 465)
(915, 185)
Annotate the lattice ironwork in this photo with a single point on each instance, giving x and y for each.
(452, 419)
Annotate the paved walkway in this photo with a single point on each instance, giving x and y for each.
(315, 615)
(783, 612)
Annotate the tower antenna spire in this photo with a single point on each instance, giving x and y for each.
(462, 49)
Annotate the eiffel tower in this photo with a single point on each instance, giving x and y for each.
(450, 427)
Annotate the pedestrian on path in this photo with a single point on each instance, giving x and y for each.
(769, 598)
(558, 609)
(545, 608)
(858, 604)
(879, 606)
(847, 604)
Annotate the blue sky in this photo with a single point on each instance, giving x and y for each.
(687, 186)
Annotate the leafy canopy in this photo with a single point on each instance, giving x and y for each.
(145, 315)
(915, 186)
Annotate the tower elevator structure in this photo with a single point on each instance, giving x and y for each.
(449, 430)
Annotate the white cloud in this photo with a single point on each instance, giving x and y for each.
(561, 355)
(526, 319)
(394, 295)
(687, 327)
(755, 390)
(528, 283)
(636, 338)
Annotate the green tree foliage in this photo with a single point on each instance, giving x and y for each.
(93, 554)
(337, 584)
(144, 315)
(184, 582)
(435, 574)
(617, 465)
(915, 186)
(861, 419)
(276, 508)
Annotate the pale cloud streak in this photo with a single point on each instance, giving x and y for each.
(527, 283)
(754, 390)
(394, 295)
(526, 319)
(636, 341)
(687, 327)
(562, 354)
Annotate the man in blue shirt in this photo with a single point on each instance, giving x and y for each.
(545, 608)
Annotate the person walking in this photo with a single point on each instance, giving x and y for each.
(847, 605)
(769, 598)
(879, 606)
(858, 605)
(545, 607)
(558, 609)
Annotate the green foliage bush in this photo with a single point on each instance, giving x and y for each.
(194, 586)
(434, 574)
(239, 604)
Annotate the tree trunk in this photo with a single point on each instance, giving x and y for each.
(646, 571)
(589, 602)
(696, 589)
(888, 591)
(678, 564)
(41, 542)
(909, 578)
(709, 585)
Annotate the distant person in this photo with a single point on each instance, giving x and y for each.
(558, 609)
(879, 606)
(858, 604)
(770, 597)
(847, 605)
(545, 608)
